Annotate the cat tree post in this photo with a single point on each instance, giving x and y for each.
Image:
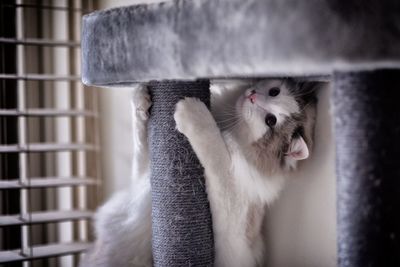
(367, 130)
(182, 234)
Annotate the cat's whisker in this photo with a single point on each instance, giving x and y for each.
(226, 120)
(304, 107)
(226, 114)
(227, 111)
(230, 126)
(234, 126)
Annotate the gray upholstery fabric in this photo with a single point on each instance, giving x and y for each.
(182, 228)
(367, 129)
(188, 39)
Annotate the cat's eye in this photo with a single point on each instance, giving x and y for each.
(274, 91)
(270, 120)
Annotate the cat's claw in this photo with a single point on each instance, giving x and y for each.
(141, 102)
(191, 115)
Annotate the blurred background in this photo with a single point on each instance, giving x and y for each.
(66, 148)
(49, 135)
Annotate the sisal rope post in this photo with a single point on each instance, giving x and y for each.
(367, 130)
(182, 228)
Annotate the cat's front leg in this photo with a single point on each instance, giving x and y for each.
(141, 102)
(195, 121)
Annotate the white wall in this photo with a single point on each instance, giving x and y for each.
(116, 138)
(302, 222)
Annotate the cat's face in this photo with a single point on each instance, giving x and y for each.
(265, 107)
(275, 120)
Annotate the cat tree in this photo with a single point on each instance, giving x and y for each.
(178, 45)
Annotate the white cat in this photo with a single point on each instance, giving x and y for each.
(262, 131)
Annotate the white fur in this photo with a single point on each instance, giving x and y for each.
(123, 223)
(234, 185)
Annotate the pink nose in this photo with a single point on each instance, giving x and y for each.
(252, 96)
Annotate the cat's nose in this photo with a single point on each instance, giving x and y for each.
(252, 96)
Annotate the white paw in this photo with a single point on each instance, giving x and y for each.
(141, 101)
(191, 115)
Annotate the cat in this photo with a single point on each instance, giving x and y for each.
(254, 139)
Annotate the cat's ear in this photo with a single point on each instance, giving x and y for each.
(298, 149)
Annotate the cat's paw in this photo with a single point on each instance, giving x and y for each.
(141, 102)
(191, 115)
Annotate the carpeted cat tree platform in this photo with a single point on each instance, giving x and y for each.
(177, 46)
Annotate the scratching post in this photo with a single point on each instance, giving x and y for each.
(182, 231)
(367, 129)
